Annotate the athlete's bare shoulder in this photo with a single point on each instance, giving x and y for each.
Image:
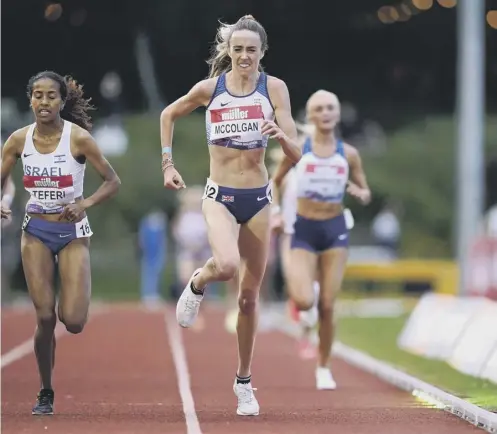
(81, 141)
(274, 81)
(351, 152)
(349, 149)
(79, 135)
(15, 143)
(208, 84)
(276, 84)
(203, 90)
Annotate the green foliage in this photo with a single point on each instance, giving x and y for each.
(419, 171)
(378, 337)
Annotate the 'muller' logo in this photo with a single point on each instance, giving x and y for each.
(46, 182)
(234, 114)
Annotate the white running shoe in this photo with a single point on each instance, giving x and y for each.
(324, 379)
(247, 403)
(188, 304)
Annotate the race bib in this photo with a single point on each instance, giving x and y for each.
(269, 192)
(25, 222)
(211, 190)
(83, 229)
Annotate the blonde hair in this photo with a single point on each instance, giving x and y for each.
(220, 60)
(305, 129)
(308, 129)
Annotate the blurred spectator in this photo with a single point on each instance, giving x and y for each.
(386, 228)
(490, 221)
(153, 248)
(190, 236)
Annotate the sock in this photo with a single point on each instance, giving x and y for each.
(243, 380)
(195, 290)
(316, 289)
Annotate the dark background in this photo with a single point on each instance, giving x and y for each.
(334, 44)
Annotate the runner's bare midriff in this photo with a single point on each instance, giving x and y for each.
(236, 168)
(55, 217)
(313, 210)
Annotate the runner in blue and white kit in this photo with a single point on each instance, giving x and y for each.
(242, 103)
(319, 244)
(54, 151)
(283, 221)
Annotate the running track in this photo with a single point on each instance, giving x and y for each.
(126, 373)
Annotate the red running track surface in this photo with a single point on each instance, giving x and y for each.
(119, 376)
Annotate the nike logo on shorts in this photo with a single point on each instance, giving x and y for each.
(261, 198)
(64, 236)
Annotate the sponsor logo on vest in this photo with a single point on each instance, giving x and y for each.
(46, 182)
(48, 188)
(235, 121)
(234, 114)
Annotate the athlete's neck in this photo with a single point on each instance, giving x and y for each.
(326, 138)
(242, 84)
(50, 128)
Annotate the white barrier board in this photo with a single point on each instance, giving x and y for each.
(436, 324)
(477, 343)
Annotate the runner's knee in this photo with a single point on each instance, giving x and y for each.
(303, 302)
(46, 318)
(248, 300)
(74, 322)
(226, 268)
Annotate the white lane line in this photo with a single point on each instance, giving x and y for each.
(180, 363)
(27, 347)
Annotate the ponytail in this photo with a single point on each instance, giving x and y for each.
(220, 61)
(77, 107)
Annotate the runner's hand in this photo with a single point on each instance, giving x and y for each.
(72, 212)
(271, 129)
(276, 222)
(6, 212)
(363, 195)
(172, 179)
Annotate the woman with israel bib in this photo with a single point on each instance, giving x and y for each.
(319, 244)
(54, 151)
(241, 103)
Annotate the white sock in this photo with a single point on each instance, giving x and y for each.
(316, 289)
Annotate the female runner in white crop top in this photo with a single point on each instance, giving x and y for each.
(242, 103)
(320, 239)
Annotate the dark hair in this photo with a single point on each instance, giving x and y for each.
(220, 61)
(76, 107)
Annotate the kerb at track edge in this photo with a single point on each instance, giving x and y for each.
(465, 410)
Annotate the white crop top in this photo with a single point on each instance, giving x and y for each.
(53, 180)
(322, 179)
(235, 121)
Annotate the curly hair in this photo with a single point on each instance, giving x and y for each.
(76, 106)
(220, 60)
